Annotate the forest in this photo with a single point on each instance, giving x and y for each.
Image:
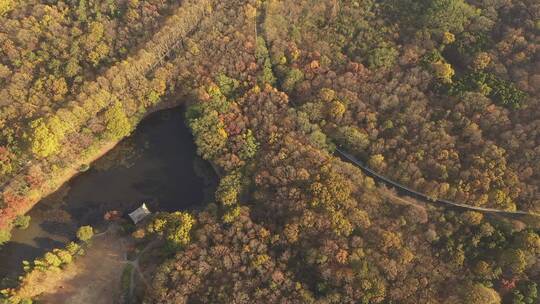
(441, 96)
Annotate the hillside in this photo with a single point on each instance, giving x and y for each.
(439, 96)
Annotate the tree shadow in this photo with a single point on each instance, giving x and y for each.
(46, 244)
(62, 229)
(12, 255)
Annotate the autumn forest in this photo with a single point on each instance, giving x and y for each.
(439, 97)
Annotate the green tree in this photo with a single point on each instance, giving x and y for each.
(437, 16)
(229, 188)
(383, 56)
(209, 132)
(353, 138)
(81, 10)
(525, 293)
(446, 15)
(249, 147)
(85, 233)
(294, 76)
(504, 92)
(175, 228)
(118, 125)
(178, 229)
(263, 58)
(227, 85)
(514, 260)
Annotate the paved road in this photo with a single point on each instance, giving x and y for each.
(421, 196)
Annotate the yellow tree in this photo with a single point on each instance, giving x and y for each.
(480, 294)
(43, 141)
(5, 6)
(117, 122)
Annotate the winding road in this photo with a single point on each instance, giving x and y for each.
(421, 196)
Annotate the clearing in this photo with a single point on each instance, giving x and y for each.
(93, 278)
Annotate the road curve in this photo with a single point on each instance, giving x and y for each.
(421, 196)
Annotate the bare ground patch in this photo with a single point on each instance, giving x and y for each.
(94, 277)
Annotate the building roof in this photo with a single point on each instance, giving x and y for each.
(139, 214)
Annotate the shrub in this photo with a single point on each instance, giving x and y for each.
(5, 236)
(126, 279)
(52, 260)
(85, 233)
(22, 221)
(64, 255)
(74, 248)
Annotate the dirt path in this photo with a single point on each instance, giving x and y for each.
(94, 277)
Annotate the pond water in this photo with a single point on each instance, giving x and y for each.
(157, 165)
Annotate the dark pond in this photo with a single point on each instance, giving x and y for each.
(157, 165)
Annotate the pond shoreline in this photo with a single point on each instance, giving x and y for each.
(50, 185)
(157, 164)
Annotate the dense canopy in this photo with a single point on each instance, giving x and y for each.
(440, 96)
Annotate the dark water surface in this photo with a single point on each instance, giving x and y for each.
(156, 165)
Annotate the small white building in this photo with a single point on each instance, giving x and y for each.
(139, 214)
